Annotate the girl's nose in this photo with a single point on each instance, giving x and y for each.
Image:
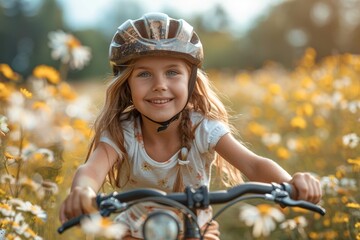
(160, 83)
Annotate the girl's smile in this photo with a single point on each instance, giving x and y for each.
(159, 101)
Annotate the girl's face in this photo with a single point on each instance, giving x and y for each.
(159, 86)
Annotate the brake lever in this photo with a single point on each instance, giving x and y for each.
(287, 201)
(111, 205)
(72, 222)
(283, 199)
(107, 207)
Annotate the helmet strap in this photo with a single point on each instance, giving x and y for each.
(192, 81)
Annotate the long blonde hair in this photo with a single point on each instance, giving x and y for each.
(118, 107)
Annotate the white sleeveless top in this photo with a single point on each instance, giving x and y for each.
(148, 173)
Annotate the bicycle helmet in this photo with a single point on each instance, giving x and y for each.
(156, 34)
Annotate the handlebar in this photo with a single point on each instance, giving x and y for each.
(199, 198)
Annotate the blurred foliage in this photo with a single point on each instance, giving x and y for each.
(304, 112)
(306, 119)
(281, 35)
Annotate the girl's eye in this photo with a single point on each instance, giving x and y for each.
(172, 73)
(143, 74)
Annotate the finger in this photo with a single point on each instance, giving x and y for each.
(211, 236)
(73, 207)
(68, 208)
(87, 204)
(62, 216)
(294, 192)
(316, 191)
(311, 191)
(76, 205)
(301, 186)
(212, 229)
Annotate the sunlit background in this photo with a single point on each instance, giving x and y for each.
(289, 70)
(236, 34)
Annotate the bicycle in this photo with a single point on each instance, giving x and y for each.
(188, 202)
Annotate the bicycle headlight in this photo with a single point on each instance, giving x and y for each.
(161, 225)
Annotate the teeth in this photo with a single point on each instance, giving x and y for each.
(160, 101)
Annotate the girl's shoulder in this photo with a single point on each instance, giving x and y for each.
(197, 118)
(202, 123)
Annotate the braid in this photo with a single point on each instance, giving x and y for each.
(185, 129)
(187, 135)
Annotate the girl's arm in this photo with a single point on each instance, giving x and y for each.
(87, 181)
(257, 168)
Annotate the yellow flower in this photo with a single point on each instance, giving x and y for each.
(340, 218)
(305, 110)
(275, 89)
(59, 179)
(307, 82)
(82, 126)
(355, 162)
(5, 92)
(283, 153)
(357, 225)
(8, 73)
(243, 78)
(298, 122)
(308, 59)
(26, 92)
(256, 129)
(48, 73)
(314, 143)
(353, 205)
(300, 95)
(40, 105)
(66, 91)
(319, 121)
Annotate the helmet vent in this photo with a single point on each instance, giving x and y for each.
(118, 39)
(173, 29)
(141, 28)
(194, 39)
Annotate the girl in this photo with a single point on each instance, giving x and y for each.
(163, 126)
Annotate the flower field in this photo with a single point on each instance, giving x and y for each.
(306, 119)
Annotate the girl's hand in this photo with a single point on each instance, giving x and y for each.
(306, 187)
(81, 200)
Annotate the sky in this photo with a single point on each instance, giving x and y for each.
(242, 12)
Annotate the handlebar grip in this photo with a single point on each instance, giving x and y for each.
(311, 207)
(72, 222)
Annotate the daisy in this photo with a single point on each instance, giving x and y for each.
(262, 218)
(68, 49)
(296, 223)
(99, 226)
(44, 153)
(271, 139)
(351, 140)
(3, 125)
(29, 207)
(7, 178)
(6, 209)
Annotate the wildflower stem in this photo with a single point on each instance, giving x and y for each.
(19, 161)
(64, 69)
